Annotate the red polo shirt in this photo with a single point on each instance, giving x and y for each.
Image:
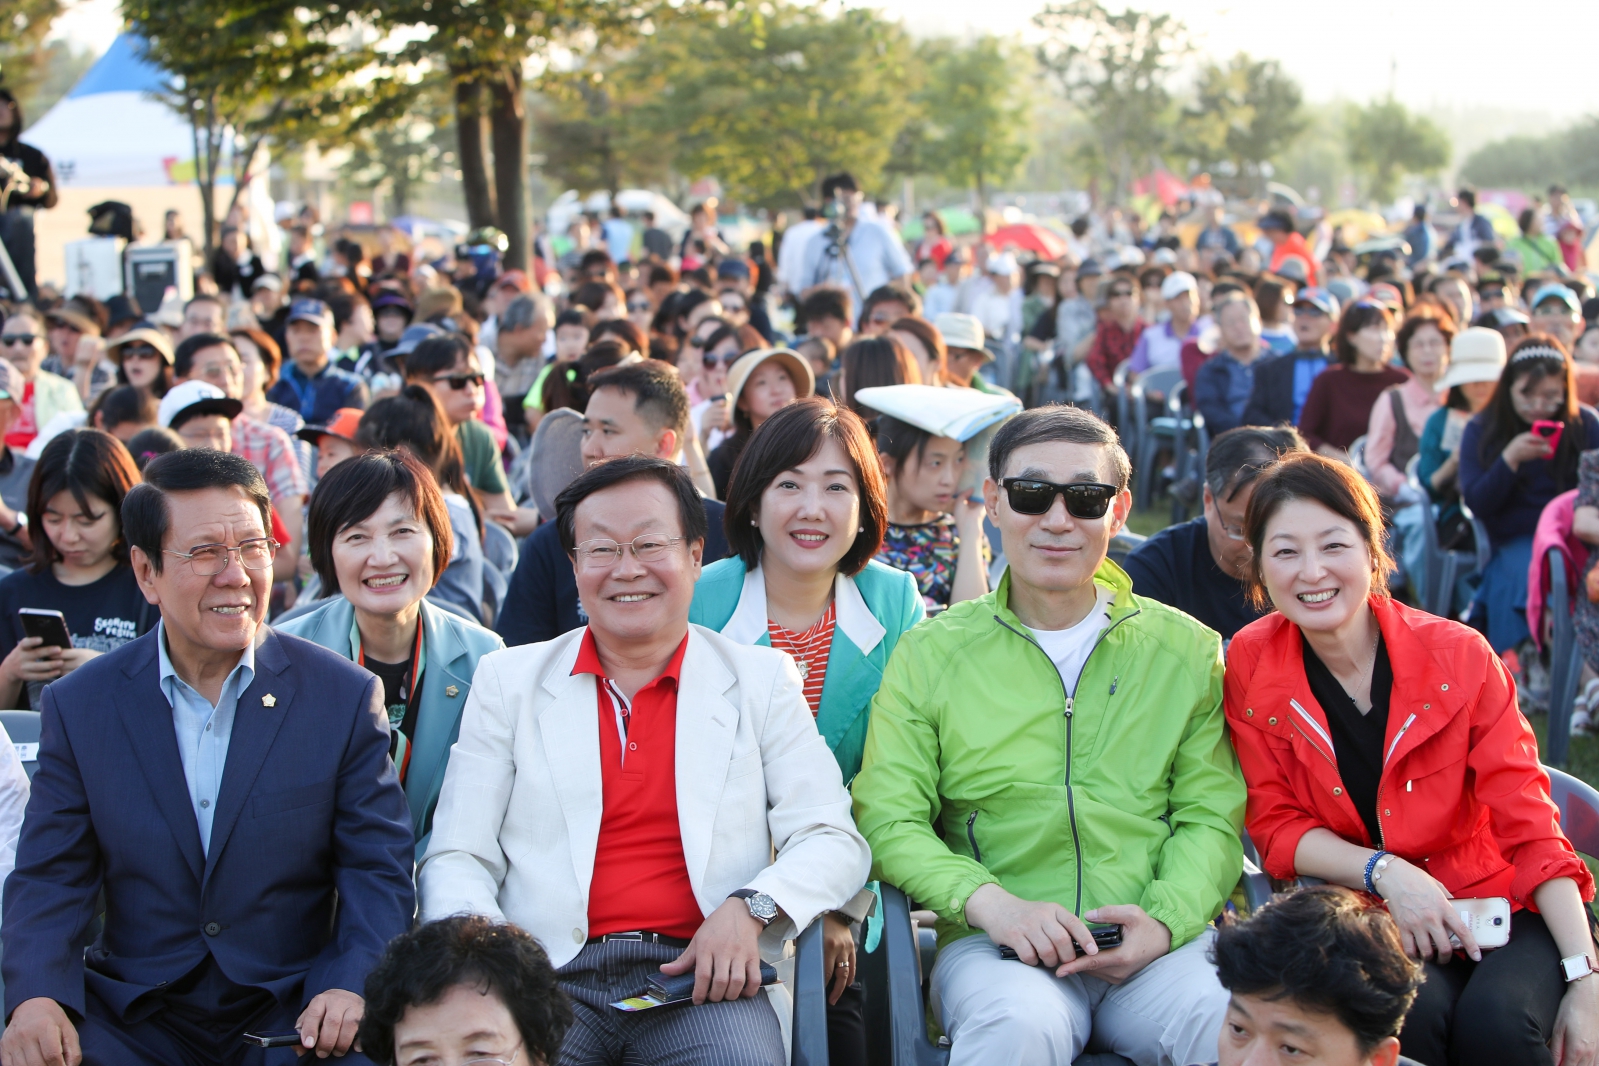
(640, 877)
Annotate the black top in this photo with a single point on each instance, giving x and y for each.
(1175, 567)
(400, 699)
(36, 165)
(1357, 738)
(101, 616)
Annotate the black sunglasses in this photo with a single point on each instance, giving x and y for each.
(642, 305)
(18, 338)
(459, 381)
(710, 362)
(1084, 499)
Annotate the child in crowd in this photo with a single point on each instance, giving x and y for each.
(933, 532)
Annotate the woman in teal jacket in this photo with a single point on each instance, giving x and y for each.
(806, 510)
(379, 533)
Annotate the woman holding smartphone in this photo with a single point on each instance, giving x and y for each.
(379, 533)
(805, 514)
(79, 566)
(1418, 784)
(1516, 456)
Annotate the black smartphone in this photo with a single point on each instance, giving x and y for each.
(49, 626)
(1106, 936)
(275, 1038)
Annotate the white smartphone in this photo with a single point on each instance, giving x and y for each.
(1488, 919)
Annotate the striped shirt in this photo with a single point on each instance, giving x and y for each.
(810, 650)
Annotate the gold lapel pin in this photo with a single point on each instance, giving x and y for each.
(452, 692)
(269, 700)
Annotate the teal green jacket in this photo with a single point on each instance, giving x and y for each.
(978, 770)
(874, 609)
(452, 646)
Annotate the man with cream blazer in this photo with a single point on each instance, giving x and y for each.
(521, 824)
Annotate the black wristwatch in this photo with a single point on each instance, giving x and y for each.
(763, 908)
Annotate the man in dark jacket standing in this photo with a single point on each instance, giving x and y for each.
(1282, 382)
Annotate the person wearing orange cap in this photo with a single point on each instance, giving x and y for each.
(334, 442)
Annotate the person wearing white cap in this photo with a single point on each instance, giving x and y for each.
(997, 304)
(1476, 359)
(1162, 345)
(201, 414)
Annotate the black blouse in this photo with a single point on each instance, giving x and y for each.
(1357, 738)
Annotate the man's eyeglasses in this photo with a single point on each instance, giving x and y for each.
(1084, 499)
(209, 560)
(1115, 293)
(641, 305)
(9, 339)
(459, 381)
(604, 554)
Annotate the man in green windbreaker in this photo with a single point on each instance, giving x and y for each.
(1053, 754)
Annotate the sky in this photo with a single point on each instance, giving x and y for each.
(1438, 56)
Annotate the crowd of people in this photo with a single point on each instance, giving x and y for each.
(457, 658)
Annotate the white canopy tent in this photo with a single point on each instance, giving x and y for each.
(110, 138)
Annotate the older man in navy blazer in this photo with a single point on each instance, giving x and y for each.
(229, 790)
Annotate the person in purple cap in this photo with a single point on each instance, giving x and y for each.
(310, 383)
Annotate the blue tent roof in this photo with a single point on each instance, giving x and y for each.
(123, 69)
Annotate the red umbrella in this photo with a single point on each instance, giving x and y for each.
(1028, 237)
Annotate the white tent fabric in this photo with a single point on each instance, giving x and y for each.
(109, 131)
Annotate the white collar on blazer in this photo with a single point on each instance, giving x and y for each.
(748, 623)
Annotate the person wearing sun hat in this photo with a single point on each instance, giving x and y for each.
(1476, 361)
(759, 384)
(965, 340)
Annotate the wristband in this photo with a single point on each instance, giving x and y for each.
(1375, 865)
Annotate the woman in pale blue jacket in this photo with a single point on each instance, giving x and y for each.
(806, 510)
(379, 533)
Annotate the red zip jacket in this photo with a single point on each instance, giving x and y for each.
(1462, 794)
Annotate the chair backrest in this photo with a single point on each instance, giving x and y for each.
(1161, 380)
(1357, 456)
(1579, 809)
(23, 729)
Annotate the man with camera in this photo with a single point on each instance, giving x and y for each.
(30, 182)
(861, 254)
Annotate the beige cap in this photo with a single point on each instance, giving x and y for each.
(961, 331)
(1476, 354)
(798, 368)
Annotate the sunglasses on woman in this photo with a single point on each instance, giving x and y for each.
(459, 381)
(1084, 499)
(711, 362)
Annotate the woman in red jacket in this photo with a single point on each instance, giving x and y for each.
(1384, 751)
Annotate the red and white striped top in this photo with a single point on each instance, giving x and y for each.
(809, 650)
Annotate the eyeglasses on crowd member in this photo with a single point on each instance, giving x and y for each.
(1067, 737)
(1384, 750)
(1201, 567)
(706, 781)
(227, 793)
(806, 510)
(1316, 976)
(639, 408)
(379, 535)
(79, 567)
(464, 990)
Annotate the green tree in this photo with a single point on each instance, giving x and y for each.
(1246, 113)
(973, 106)
(286, 70)
(399, 157)
(1386, 142)
(486, 47)
(771, 97)
(1117, 68)
(24, 60)
(586, 130)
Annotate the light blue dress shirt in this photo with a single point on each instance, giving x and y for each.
(203, 730)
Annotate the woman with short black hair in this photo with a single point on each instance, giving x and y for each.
(1384, 750)
(80, 565)
(378, 533)
(806, 510)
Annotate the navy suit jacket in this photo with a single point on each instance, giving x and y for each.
(309, 870)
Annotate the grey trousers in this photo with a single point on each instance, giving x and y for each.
(743, 1032)
(996, 1010)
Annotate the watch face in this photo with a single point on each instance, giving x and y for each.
(763, 906)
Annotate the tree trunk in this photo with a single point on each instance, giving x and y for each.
(474, 152)
(508, 124)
